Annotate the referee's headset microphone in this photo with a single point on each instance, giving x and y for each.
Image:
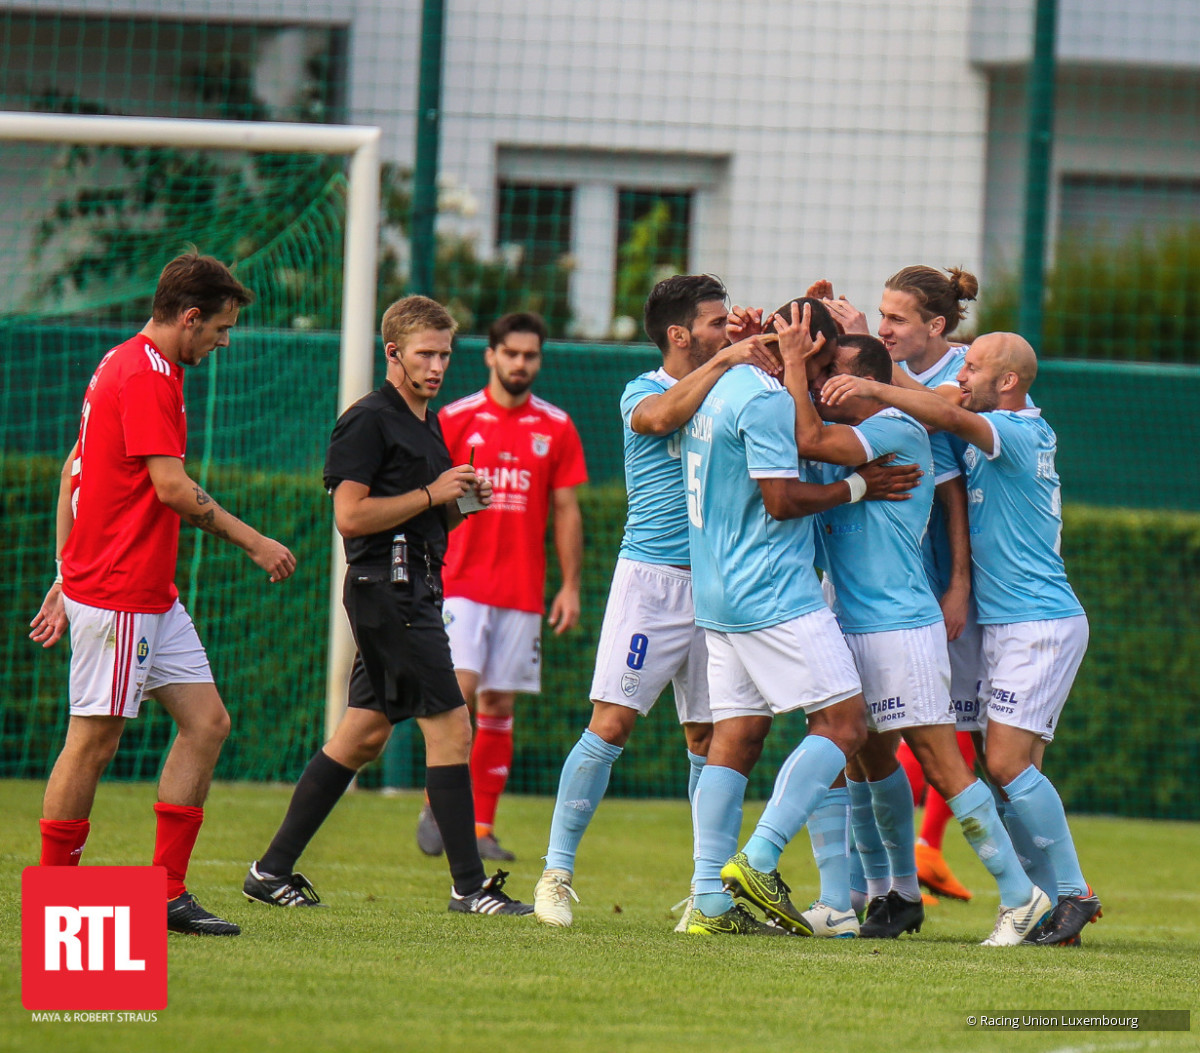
(395, 357)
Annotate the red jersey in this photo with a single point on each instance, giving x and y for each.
(121, 552)
(498, 556)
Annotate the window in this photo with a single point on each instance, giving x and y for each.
(652, 243)
(1112, 208)
(534, 223)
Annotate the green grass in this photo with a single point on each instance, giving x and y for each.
(387, 968)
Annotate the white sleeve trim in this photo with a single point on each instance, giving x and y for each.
(774, 473)
(995, 440)
(870, 454)
(628, 418)
(945, 477)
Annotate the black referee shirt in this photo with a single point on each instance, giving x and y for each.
(382, 444)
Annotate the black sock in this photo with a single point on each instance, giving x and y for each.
(319, 789)
(449, 789)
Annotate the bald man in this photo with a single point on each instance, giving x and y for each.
(1034, 630)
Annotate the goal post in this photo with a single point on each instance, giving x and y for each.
(361, 145)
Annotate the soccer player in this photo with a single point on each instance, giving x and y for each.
(395, 490)
(495, 570)
(649, 635)
(773, 644)
(920, 309)
(895, 631)
(124, 489)
(1034, 630)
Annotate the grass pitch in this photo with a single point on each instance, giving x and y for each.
(387, 968)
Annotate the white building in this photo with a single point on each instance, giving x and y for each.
(839, 139)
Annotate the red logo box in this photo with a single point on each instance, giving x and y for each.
(94, 938)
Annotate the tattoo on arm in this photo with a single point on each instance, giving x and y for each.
(201, 497)
(206, 521)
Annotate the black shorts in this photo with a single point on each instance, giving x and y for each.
(403, 667)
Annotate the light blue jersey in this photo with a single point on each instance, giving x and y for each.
(656, 524)
(947, 464)
(873, 548)
(1015, 508)
(749, 571)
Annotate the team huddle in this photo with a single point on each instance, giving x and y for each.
(866, 529)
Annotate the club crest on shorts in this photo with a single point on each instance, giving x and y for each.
(629, 684)
(447, 618)
(143, 649)
(541, 444)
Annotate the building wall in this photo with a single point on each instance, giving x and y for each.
(1154, 33)
(833, 139)
(1132, 124)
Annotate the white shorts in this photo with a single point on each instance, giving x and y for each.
(503, 646)
(799, 664)
(905, 676)
(119, 658)
(966, 672)
(1029, 668)
(649, 638)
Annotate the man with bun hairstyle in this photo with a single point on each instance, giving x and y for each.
(921, 307)
(895, 630)
(1035, 632)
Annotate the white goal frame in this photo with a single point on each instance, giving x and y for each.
(356, 366)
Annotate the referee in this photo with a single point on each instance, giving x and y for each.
(394, 500)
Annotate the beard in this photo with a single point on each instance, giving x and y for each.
(698, 354)
(982, 400)
(515, 387)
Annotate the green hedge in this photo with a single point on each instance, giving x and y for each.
(1125, 746)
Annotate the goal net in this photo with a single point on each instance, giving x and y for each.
(95, 208)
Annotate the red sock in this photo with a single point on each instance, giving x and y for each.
(916, 777)
(63, 841)
(937, 811)
(491, 759)
(966, 746)
(178, 827)
(937, 815)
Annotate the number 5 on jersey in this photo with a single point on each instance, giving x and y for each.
(693, 490)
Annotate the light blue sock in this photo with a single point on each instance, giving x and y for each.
(981, 826)
(1040, 809)
(716, 823)
(581, 788)
(829, 832)
(997, 796)
(877, 872)
(1033, 859)
(800, 787)
(858, 880)
(892, 803)
(695, 767)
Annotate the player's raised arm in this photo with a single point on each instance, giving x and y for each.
(665, 413)
(927, 406)
(849, 318)
(743, 322)
(835, 443)
(179, 492)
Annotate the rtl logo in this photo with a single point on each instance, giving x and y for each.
(94, 938)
